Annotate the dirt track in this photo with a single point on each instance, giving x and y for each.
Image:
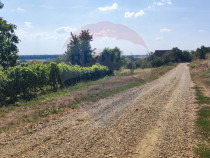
(154, 120)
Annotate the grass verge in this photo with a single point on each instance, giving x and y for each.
(203, 125)
(200, 75)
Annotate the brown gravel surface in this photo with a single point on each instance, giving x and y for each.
(154, 120)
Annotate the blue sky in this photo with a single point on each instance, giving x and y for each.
(44, 25)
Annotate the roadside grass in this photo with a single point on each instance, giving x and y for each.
(107, 93)
(200, 97)
(201, 76)
(203, 128)
(203, 151)
(55, 103)
(154, 73)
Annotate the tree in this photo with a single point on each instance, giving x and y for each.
(112, 58)
(1, 5)
(157, 62)
(79, 50)
(131, 65)
(168, 57)
(178, 55)
(201, 52)
(187, 56)
(8, 41)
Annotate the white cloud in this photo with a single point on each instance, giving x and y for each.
(165, 30)
(163, 2)
(201, 31)
(106, 8)
(25, 35)
(140, 13)
(159, 38)
(149, 7)
(129, 14)
(20, 9)
(47, 7)
(28, 24)
(65, 29)
(159, 3)
(169, 2)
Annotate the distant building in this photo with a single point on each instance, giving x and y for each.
(160, 53)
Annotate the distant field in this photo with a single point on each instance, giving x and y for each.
(45, 57)
(38, 57)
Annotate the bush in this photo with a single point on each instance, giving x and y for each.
(112, 58)
(157, 62)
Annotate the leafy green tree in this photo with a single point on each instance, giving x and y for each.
(112, 58)
(131, 66)
(168, 57)
(139, 62)
(1, 5)
(157, 62)
(8, 41)
(201, 52)
(79, 50)
(178, 55)
(86, 51)
(187, 56)
(73, 50)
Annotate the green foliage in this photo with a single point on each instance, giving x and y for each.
(131, 66)
(53, 76)
(174, 56)
(8, 41)
(112, 58)
(1, 5)
(203, 124)
(201, 52)
(79, 51)
(203, 151)
(26, 81)
(200, 97)
(157, 62)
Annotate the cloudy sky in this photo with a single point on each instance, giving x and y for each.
(45, 25)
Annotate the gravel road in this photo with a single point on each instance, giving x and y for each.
(153, 120)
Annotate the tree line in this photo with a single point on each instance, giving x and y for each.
(173, 56)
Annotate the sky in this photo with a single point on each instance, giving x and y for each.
(43, 26)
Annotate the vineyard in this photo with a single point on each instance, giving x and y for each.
(26, 81)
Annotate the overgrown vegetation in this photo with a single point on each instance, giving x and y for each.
(200, 74)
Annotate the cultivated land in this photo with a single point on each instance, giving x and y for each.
(152, 120)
